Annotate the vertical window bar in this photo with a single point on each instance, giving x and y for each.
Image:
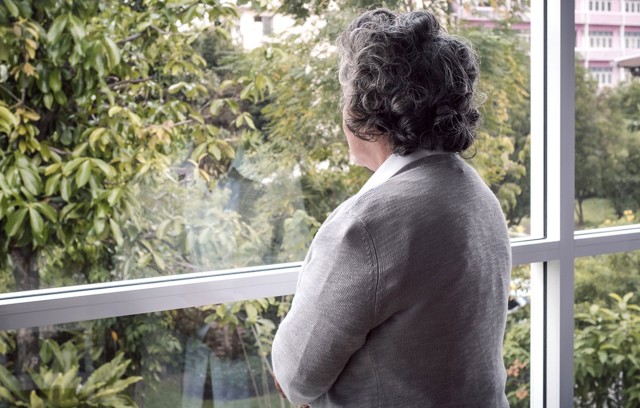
(560, 88)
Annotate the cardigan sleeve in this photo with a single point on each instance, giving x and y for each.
(331, 313)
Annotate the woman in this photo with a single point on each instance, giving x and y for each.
(402, 297)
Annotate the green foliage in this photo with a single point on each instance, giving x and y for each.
(607, 346)
(516, 357)
(607, 165)
(104, 108)
(60, 384)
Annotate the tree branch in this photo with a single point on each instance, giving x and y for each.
(10, 93)
(128, 81)
(130, 38)
(60, 152)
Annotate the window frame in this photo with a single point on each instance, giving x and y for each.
(552, 217)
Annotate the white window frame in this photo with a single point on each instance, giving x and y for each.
(599, 5)
(632, 6)
(604, 75)
(600, 39)
(632, 39)
(552, 257)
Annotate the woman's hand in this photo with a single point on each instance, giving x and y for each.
(275, 380)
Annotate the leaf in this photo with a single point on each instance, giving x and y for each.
(114, 196)
(35, 401)
(602, 356)
(76, 27)
(55, 80)
(9, 381)
(114, 110)
(252, 312)
(46, 210)
(14, 222)
(249, 120)
(215, 151)
(106, 168)
(175, 88)
(157, 259)
(99, 225)
(7, 117)
(61, 98)
(69, 167)
(48, 101)
(13, 9)
(31, 181)
(83, 173)
(37, 223)
(115, 230)
(162, 227)
(216, 105)
(65, 189)
(52, 185)
(57, 27)
(113, 52)
(6, 395)
(95, 136)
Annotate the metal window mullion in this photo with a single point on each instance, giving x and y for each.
(558, 279)
(132, 298)
(538, 204)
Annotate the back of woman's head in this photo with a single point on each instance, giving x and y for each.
(405, 77)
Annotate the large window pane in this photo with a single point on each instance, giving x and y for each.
(135, 145)
(501, 36)
(606, 117)
(199, 357)
(607, 330)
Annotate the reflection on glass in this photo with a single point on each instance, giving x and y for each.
(199, 357)
(607, 330)
(169, 148)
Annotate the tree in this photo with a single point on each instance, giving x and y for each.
(623, 190)
(599, 132)
(106, 126)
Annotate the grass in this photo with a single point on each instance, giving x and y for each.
(596, 211)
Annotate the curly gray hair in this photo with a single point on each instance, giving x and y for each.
(405, 77)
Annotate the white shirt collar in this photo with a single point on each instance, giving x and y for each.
(391, 166)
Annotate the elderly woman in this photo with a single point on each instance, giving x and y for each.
(402, 297)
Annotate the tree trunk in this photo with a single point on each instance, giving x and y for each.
(580, 213)
(27, 277)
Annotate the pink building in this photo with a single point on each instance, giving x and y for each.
(607, 32)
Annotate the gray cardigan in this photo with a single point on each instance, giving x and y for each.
(402, 298)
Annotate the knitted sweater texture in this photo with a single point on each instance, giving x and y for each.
(402, 297)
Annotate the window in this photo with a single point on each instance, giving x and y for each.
(600, 39)
(632, 6)
(267, 23)
(196, 242)
(632, 39)
(601, 75)
(600, 5)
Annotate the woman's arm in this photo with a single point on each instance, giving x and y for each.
(332, 311)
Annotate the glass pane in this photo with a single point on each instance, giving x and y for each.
(138, 140)
(518, 338)
(606, 129)
(199, 357)
(607, 330)
(501, 36)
